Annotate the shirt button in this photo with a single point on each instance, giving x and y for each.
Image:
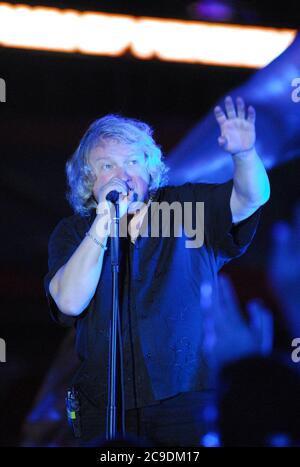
(148, 355)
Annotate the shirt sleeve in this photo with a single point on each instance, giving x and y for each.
(228, 240)
(62, 244)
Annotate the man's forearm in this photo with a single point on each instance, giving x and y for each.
(250, 179)
(74, 284)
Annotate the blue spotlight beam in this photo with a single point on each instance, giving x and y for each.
(198, 156)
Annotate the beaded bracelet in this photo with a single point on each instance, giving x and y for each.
(96, 241)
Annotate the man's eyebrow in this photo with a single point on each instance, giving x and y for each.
(134, 154)
(103, 158)
(107, 158)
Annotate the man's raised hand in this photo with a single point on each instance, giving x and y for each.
(237, 128)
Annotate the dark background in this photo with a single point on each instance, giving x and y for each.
(51, 99)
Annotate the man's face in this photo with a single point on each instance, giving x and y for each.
(127, 162)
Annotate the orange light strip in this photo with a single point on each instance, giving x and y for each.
(72, 31)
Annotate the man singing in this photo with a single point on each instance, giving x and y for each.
(163, 372)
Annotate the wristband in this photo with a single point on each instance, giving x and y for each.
(95, 240)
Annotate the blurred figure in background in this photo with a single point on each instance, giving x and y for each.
(284, 270)
(259, 403)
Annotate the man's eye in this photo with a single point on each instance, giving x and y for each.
(133, 162)
(106, 166)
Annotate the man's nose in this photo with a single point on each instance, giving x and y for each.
(123, 174)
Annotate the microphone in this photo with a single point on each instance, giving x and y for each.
(113, 196)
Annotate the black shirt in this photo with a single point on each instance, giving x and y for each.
(137, 385)
(163, 323)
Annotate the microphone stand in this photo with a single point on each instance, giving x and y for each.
(111, 420)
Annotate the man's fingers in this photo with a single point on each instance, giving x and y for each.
(222, 141)
(240, 107)
(220, 116)
(229, 106)
(251, 114)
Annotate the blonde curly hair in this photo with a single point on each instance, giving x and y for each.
(80, 174)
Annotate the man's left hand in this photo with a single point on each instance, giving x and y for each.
(237, 131)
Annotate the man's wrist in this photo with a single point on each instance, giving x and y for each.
(248, 154)
(101, 243)
(101, 227)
